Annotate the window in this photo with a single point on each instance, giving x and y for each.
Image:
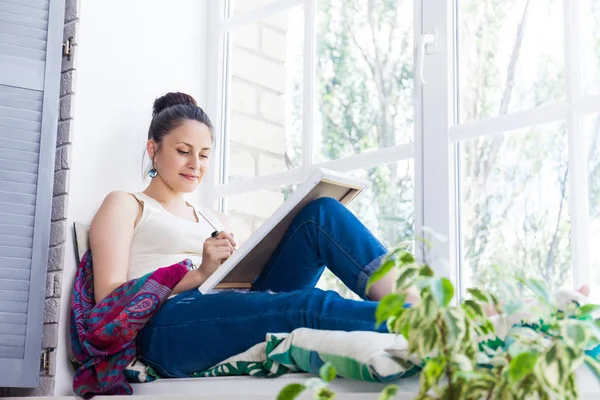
(309, 83)
(592, 128)
(486, 134)
(526, 203)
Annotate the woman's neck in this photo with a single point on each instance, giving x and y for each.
(158, 190)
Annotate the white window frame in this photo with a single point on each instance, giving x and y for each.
(437, 131)
(440, 148)
(438, 159)
(215, 187)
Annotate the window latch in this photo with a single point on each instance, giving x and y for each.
(45, 361)
(67, 48)
(427, 43)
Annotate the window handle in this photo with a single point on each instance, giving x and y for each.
(426, 43)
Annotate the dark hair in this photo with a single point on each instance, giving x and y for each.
(171, 110)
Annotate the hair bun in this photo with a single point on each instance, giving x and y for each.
(172, 99)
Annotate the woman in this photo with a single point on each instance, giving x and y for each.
(133, 234)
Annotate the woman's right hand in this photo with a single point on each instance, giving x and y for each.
(215, 251)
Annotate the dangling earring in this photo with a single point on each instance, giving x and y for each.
(153, 172)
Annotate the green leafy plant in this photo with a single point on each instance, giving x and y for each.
(319, 388)
(317, 385)
(462, 357)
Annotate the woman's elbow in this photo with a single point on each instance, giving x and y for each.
(102, 291)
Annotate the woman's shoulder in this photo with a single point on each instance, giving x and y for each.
(119, 198)
(121, 204)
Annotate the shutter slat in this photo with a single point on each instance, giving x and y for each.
(18, 307)
(14, 252)
(16, 220)
(16, 341)
(22, 72)
(17, 134)
(17, 242)
(25, 11)
(18, 155)
(21, 146)
(14, 187)
(18, 166)
(16, 113)
(39, 4)
(11, 284)
(10, 329)
(11, 295)
(13, 318)
(17, 40)
(22, 52)
(6, 176)
(16, 231)
(16, 274)
(18, 93)
(22, 31)
(23, 125)
(11, 352)
(21, 20)
(14, 262)
(17, 198)
(23, 104)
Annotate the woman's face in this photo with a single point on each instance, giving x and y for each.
(183, 157)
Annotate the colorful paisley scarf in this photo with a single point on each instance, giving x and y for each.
(103, 335)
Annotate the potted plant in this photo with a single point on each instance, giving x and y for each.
(463, 353)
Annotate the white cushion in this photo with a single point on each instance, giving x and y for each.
(82, 242)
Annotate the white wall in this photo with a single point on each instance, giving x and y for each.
(129, 53)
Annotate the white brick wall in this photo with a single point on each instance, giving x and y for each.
(278, 21)
(269, 165)
(244, 164)
(244, 97)
(257, 133)
(272, 107)
(247, 36)
(258, 114)
(273, 43)
(258, 69)
(260, 204)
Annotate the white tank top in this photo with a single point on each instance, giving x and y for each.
(161, 239)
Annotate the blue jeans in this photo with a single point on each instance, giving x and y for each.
(192, 332)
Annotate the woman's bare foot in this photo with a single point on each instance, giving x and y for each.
(412, 295)
(490, 310)
(584, 290)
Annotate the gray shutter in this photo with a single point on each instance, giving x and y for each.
(30, 61)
